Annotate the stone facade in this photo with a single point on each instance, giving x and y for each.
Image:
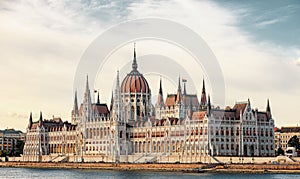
(283, 135)
(180, 128)
(9, 138)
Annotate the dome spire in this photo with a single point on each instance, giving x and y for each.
(134, 63)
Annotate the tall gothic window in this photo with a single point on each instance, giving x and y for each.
(132, 112)
(138, 111)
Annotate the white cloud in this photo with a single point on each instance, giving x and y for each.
(258, 70)
(268, 22)
(41, 43)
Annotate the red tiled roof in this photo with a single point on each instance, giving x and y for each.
(188, 99)
(135, 82)
(100, 109)
(262, 116)
(240, 107)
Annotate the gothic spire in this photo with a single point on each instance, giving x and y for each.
(160, 87)
(134, 63)
(41, 119)
(98, 98)
(87, 88)
(160, 100)
(116, 108)
(30, 121)
(208, 106)
(268, 109)
(75, 107)
(184, 89)
(87, 93)
(203, 95)
(118, 80)
(178, 97)
(179, 85)
(111, 101)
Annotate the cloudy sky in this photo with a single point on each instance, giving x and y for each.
(257, 45)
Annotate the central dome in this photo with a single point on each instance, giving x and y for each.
(134, 81)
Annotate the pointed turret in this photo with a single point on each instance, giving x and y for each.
(268, 110)
(134, 63)
(160, 100)
(117, 100)
(87, 86)
(98, 98)
(111, 101)
(179, 94)
(87, 93)
(30, 121)
(41, 119)
(87, 103)
(75, 113)
(208, 106)
(118, 81)
(75, 106)
(203, 95)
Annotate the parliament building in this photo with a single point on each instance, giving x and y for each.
(179, 129)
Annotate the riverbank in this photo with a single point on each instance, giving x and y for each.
(203, 168)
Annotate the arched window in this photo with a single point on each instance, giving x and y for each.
(121, 134)
(138, 112)
(132, 112)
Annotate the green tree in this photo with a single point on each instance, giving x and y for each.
(294, 142)
(19, 147)
(280, 151)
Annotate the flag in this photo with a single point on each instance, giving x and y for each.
(184, 80)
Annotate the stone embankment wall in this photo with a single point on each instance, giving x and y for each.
(165, 159)
(212, 168)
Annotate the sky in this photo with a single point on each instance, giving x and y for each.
(256, 43)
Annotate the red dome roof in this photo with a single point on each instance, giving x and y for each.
(134, 81)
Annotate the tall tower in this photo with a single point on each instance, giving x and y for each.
(117, 102)
(136, 95)
(86, 115)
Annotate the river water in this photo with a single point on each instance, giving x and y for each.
(115, 174)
